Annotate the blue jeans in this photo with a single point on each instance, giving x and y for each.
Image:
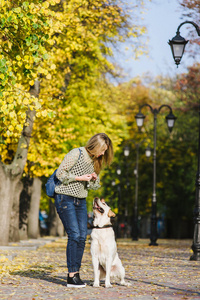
(73, 214)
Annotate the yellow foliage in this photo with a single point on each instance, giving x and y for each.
(63, 46)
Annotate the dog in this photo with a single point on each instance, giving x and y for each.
(105, 259)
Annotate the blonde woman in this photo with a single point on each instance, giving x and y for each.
(79, 172)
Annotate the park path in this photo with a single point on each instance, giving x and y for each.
(163, 272)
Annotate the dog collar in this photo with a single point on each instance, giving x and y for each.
(105, 226)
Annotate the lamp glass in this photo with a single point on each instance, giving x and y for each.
(126, 151)
(140, 122)
(118, 171)
(178, 50)
(170, 121)
(140, 119)
(148, 152)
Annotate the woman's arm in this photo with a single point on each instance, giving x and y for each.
(94, 184)
(63, 173)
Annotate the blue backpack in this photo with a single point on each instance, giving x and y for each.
(53, 181)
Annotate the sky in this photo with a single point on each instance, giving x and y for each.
(161, 19)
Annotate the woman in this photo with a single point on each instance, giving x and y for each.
(79, 172)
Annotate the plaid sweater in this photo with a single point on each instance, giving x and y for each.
(76, 163)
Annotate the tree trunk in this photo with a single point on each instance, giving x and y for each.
(11, 174)
(25, 199)
(33, 216)
(8, 188)
(14, 218)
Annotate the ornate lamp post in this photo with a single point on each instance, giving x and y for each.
(126, 154)
(136, 172)
(113, 185)
(180, 46)
(170, 118)
(118, 171)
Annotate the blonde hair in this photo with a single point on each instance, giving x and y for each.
(97, 143)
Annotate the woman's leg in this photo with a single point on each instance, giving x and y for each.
(81, 213)
(66, 209)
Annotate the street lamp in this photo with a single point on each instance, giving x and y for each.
(118, 171)
(170, 118)
(178, 43)
(126, 151)
(126, 154)
(113, 183)
(148, 151)
(196, 236)
(135, 230)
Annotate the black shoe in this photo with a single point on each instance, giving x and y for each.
(75, 281)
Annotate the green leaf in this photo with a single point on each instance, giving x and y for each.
(45, 56)
(2, 62)
(9, 19)
(25, 4)
(2, 22)
(50, 114)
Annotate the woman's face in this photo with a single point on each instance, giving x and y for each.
(102, 151)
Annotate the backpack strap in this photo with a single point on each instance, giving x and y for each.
(78, 158)
(79, 154)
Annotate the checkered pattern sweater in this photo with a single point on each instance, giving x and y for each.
(76, 163)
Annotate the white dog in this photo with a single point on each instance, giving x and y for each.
(105, 259)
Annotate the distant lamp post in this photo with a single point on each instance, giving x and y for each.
(196, 236)
(135, 230)
(113, 185)
(126, 154)
(118, 171)
(170, 118)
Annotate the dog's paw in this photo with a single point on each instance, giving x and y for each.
(125, 283)
(95, 284)
(108, 285)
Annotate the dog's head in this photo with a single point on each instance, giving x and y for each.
(102, 212)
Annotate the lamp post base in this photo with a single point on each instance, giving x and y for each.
(153, 233)
(196, 254)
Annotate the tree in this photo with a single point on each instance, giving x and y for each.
(62, 42)
(176, 152)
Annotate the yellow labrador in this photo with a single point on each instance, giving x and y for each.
(105, 259)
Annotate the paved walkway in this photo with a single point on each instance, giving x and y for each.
(163, 272)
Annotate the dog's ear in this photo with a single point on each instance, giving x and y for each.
(111, 214)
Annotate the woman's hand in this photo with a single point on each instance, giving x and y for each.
(86, 177)
(94, 176)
